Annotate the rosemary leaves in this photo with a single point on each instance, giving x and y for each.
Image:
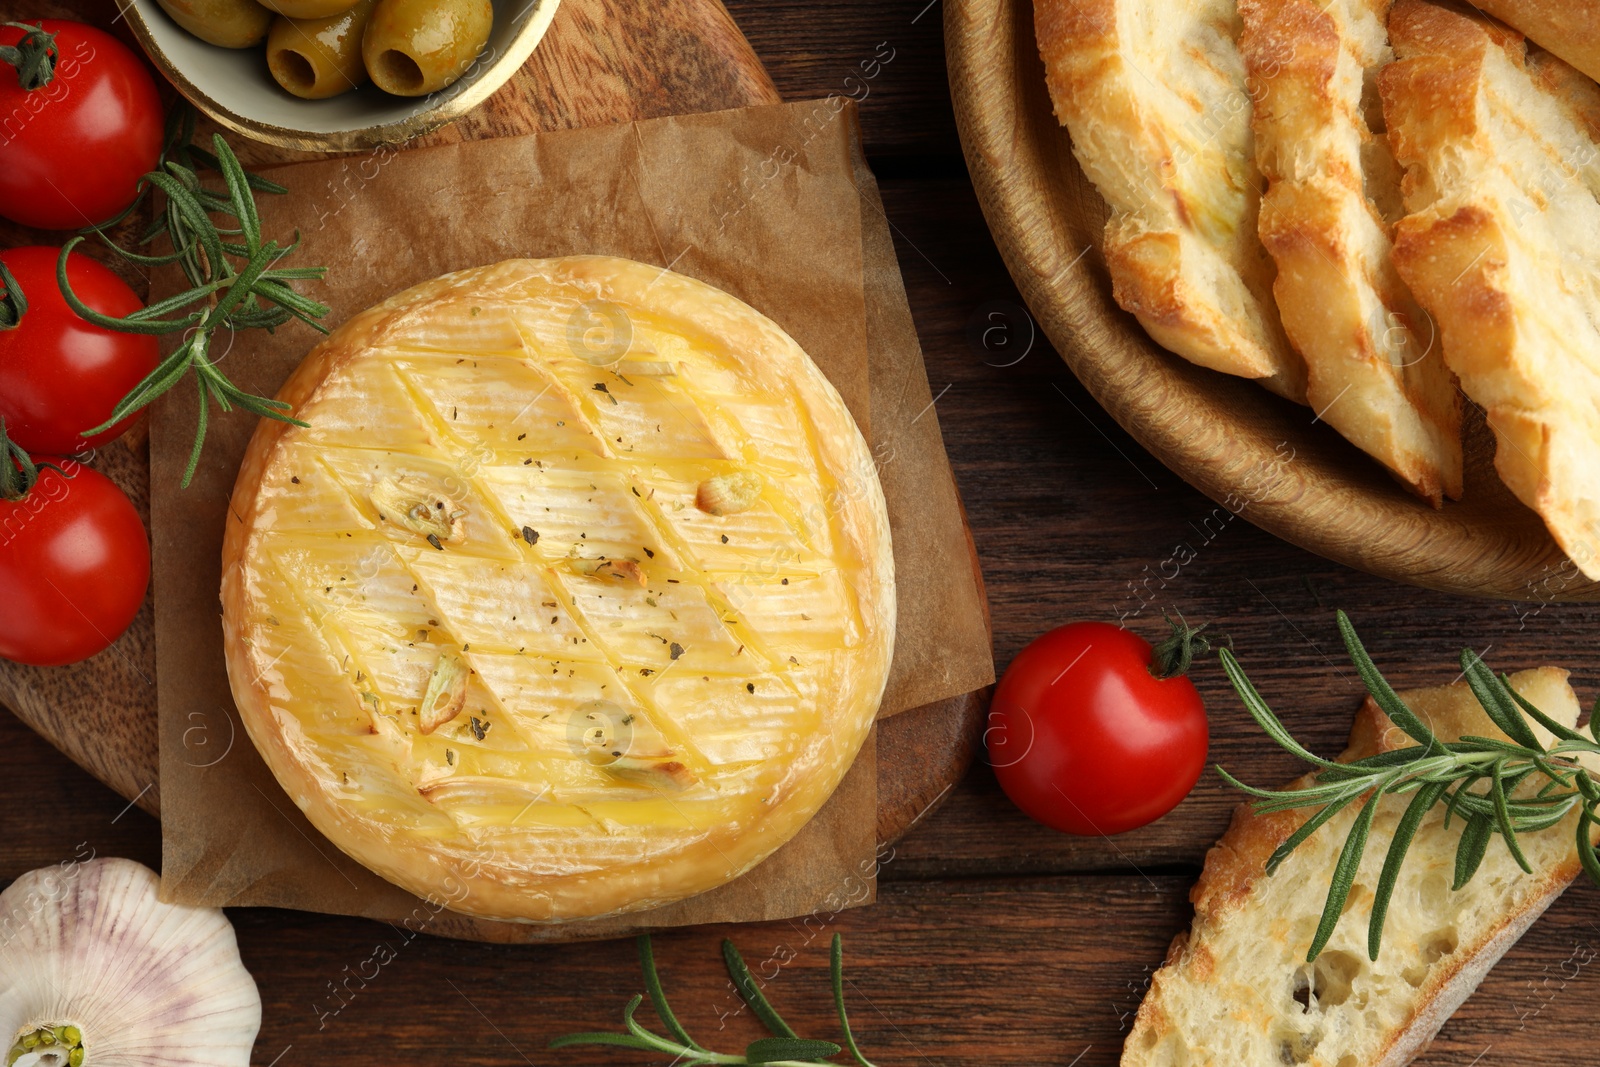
(225, 295)
(1492, 787)
(783, 1049)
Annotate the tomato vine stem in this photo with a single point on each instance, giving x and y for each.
(33, 57)
(1174, 656)
(19, 473)
(13, 302)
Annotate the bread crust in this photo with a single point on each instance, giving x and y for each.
(1569, 28)
(1170, 153)
(1371, 374)
(492, 872)
(1235, 870)
(1500, 155)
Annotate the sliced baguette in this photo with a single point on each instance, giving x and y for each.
(1569, 28)
(1154, 98)
(1333, 196)
(1237, 991)
(1502, 246)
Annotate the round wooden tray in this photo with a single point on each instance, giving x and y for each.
(1256, 454)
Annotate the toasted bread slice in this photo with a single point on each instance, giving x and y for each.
(1502, 246)
(1333, 196)
(1154, 98)
(1569, 28)
(1237, 990)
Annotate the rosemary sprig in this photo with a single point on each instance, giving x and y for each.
(207, 231)
(1434, 772)
(783, 1049)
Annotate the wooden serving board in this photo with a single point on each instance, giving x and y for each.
(602, 61)
(1256, 454)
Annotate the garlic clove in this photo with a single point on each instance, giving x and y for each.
(728, 494)
(620, 570)
(87, 951)
(446, 695)
(626, 745)
(646, 368)
(660, 774)
(414, 505)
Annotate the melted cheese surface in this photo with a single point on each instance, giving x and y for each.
(576, 590)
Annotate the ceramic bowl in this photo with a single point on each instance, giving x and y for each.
(234, 87)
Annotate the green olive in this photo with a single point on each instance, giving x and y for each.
(226, 23)
(309, 9)
(413, 47)
(319, 58)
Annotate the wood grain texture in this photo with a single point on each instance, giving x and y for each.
(937, 973)
(102, 712)
(616, 61)
(1073, 520)
(890, 61)
(1226, 436)
(992, 941)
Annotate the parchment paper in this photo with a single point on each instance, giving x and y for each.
(772, 204)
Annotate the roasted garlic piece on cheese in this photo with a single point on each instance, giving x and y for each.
(575, 621)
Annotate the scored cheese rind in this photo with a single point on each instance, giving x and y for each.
(1501, 245)
(651, 698)
(1375, 372)
(1155, 99)
(1236, 991)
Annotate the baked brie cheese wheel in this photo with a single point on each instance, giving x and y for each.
(574, 597)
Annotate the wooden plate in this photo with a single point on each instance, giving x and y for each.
(1252, 452)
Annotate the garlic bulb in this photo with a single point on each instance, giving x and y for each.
(97, 972)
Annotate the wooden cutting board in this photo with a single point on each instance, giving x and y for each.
(602, 61)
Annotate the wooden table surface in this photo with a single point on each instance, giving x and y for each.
(993, 941)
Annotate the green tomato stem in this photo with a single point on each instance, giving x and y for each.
(18, 472)
(33, 57)
(1174, 656)
(13, 304)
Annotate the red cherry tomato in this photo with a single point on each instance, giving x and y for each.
(1084, 738)
(74, 564)
(76, 146)
(60, 375)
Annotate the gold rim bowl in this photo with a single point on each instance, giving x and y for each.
(234, 87)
